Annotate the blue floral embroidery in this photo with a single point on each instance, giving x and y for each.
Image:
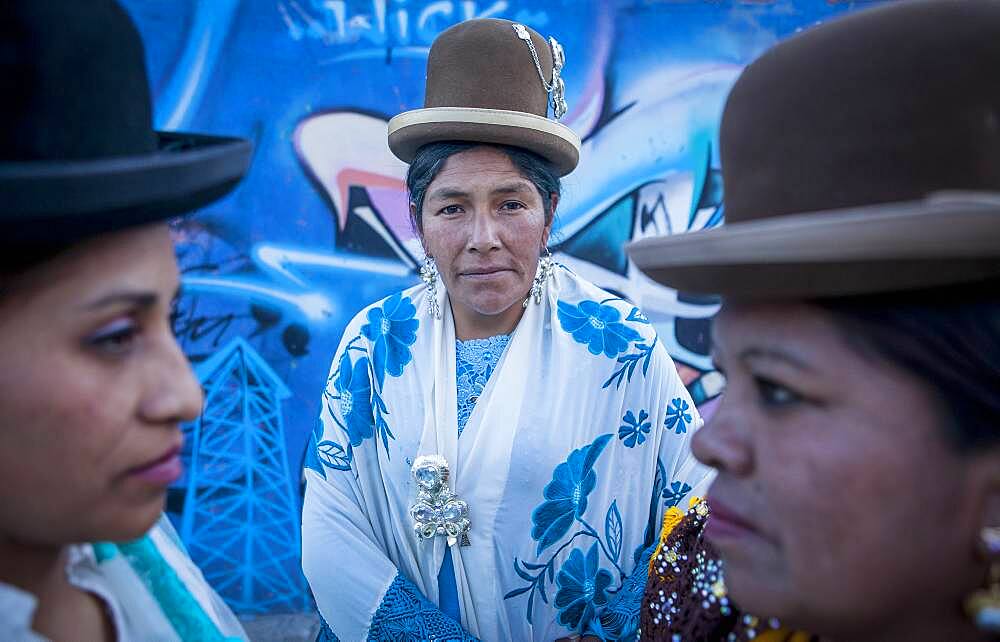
(673, 495)
(333, 455)
(566, 495)
(637, 316)
(613, 531)
(565, 503)
(635, 430)
(678, 416)
(327, 453)
(597, 326)
(643, 353)
(312, 458)
(652, 523)
(392, 329)
(354, 389)
(582, 586)
(619, 620)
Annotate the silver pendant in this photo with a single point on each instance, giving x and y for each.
(557, 88)
(437, 510)
(545, 266)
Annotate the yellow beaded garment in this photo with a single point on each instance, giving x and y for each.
(686, 597)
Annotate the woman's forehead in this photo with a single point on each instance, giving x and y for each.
(804, 332)
(488, 185)
(136, 259)
(478, 165)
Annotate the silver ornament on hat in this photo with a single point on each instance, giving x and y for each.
(437, 510)
(557, 88)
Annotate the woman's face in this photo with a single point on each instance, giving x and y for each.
(839, 503)
(484, 224)
(92, 390)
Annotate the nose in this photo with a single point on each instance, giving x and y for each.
(723, 442)
(485, 233)
(174, 394)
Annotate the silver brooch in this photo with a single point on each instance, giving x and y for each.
(557, 88)
(437, 510)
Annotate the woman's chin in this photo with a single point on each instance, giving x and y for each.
(753, 596)
(128, 524)
(491, 304)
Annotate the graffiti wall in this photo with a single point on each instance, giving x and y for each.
(319, 227)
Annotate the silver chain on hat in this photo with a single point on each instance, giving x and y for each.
(557, 88)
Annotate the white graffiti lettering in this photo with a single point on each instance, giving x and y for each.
(385, 23)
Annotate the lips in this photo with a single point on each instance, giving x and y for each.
(162, 471)
(483, 272)
(725, 523)
(484, 276)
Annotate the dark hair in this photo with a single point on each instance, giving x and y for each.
(949, 338)
(18, 258)
(430, 158)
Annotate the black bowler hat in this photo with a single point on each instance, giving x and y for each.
(78, 153)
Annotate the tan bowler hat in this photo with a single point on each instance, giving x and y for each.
(860, 156)
(490, 81)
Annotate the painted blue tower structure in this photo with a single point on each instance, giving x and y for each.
(240, 517)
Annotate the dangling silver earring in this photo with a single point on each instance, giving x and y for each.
(429, 275)
(545, 266)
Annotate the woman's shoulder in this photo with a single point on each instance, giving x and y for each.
(211, 612)
(581, 297)
(389, 303)
(401, 306)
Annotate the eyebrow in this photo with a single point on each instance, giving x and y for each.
(445, 193)
(775, 354)
(513, 188)
(137, 298)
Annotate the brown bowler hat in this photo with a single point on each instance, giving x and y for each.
(860, 156)
(486, 84)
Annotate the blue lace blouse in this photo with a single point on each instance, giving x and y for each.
(475, 361)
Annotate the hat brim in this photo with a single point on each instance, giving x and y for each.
(946, 239)
(61, 200)
(553, 141)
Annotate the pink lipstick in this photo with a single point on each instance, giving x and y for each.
(162, 471)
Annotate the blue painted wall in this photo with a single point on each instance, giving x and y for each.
(318, 229)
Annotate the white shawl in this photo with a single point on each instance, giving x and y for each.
(583, 415)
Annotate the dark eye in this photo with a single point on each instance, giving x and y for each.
(775, 394)
(115, 339)
(450, 209)
(512, 206)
